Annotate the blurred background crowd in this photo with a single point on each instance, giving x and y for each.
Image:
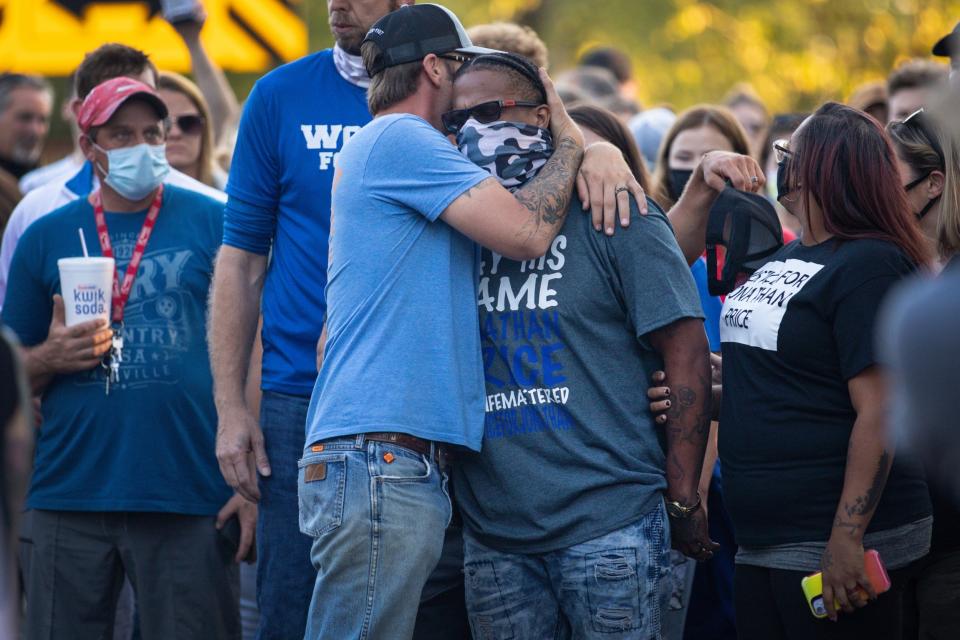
(682, 78)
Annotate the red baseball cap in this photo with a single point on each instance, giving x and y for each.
(101, 103)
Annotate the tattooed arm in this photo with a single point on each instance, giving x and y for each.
(686, 358)
(869, 457)
(522, 225)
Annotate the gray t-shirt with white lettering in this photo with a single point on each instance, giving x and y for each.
(570, 450)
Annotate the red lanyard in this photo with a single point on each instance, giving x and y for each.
(122, 292)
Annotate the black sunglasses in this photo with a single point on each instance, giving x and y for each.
(190, 125)
(485, 112)
(455, 57)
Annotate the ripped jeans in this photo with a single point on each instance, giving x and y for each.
(610, 587)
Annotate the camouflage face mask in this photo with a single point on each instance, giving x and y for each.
(512, 152)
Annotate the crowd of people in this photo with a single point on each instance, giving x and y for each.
(421, 343)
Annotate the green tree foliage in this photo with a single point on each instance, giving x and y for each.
(795, 53)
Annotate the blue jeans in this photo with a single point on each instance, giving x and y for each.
(377, 513)
(284, 574)
(609, 587)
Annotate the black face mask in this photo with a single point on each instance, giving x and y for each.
(932, 201)
(677, 179)
(783, 178)
(747, 227)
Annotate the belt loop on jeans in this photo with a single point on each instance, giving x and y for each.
(359, 441)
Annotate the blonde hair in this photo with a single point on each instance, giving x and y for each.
(512, 38)
(918, 150)
(171, 81)
(948, 226)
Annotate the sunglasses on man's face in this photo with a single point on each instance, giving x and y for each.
(190, 125)
(485, 113)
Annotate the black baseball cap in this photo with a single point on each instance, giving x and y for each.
(747, 227)
(412, 33)
(948, 45)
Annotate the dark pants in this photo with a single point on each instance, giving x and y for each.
(770, 605)
(710, 615)
(285, 575)
(935, 594)
(180, 566)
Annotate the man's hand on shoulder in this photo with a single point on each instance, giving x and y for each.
(604, 186)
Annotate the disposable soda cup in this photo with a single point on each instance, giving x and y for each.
(86, 285)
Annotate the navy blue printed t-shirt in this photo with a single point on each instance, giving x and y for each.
(794, 335)
(149, 445)
(570, 450)
(295, 122)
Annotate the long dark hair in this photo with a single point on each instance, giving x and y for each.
(606, 125)
(845, 162)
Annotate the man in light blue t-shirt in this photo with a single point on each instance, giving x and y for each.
(402, 378)
(294, 124)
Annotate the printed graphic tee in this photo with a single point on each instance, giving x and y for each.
(294, 125)
(149, 445)
(793, 336)
(403, 349)
(570, 450)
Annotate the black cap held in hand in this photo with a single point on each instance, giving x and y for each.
(412, 33)
(747, 226)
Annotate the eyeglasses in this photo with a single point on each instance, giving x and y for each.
(190, 125)
(485, 112)
(781, 148)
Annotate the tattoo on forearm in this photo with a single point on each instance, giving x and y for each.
(865, 504)
(548, 195)
(846, 525)
(686, 400)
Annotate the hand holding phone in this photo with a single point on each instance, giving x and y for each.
(876, 573)
(181, 10)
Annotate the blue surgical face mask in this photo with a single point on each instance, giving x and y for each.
(134, 172)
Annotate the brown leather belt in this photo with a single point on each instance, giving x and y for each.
(441, 453)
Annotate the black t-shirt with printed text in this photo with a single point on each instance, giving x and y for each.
(793, 336)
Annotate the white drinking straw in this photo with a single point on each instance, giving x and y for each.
(83, 243)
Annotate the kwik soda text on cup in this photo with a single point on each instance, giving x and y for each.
(86, 285)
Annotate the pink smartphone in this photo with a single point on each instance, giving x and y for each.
(872, 565)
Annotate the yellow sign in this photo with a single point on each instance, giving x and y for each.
(50, 37)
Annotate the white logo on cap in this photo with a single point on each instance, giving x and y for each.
(125, 87)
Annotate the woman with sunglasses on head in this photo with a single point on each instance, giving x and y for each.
(809, 477)
(929, 160)
(190, 136)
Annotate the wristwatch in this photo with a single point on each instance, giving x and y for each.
(679, 511)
